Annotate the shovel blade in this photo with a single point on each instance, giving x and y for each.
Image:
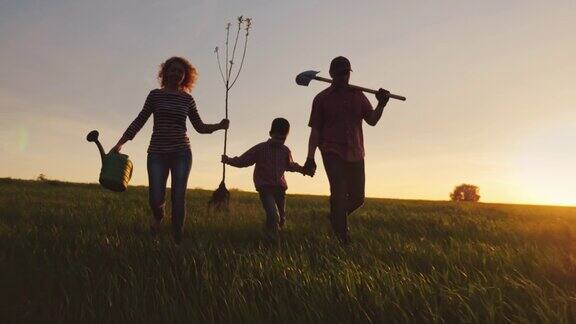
(305, 77)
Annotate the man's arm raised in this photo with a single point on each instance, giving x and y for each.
(374, 116)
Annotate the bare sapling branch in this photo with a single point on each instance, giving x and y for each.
(227, 35)
(248, 22)
(219, 65)
(240, 20)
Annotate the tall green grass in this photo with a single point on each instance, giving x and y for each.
(75, 253)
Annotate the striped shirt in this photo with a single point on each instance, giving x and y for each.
(271, 160)
(170, 112)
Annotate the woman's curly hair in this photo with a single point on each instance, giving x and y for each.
(190, 73)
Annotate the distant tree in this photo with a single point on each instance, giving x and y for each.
(465, 192)
(41, 177)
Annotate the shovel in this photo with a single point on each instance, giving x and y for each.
(116, 168)
(305, 77)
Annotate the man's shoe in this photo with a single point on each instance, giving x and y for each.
(345, 239)
(155, 228)
(271, 232)
(177, 236)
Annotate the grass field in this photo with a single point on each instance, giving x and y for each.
(78, 253)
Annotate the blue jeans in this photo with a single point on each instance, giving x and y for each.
(159, 165)
(273, 201)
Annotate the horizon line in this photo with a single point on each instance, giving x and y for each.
(304, 194)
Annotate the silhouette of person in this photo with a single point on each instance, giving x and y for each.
(169, 149)
(272, 158)
(336, 122)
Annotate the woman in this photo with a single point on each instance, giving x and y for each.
(169, 149)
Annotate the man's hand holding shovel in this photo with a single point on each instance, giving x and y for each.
(382, 96)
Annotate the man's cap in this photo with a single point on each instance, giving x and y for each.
(340, 63)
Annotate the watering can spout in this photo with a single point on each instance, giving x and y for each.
(93, 137)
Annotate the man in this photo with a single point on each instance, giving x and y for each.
(336, 122)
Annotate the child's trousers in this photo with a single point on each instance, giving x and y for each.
(273, 201)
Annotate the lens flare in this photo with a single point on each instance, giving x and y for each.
(23, 138)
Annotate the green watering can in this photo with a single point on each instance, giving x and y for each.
(116, 167)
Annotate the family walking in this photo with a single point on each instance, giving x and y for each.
(336, 130)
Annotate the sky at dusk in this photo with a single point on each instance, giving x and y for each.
(491, 88)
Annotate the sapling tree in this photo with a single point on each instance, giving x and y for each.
(229, 71)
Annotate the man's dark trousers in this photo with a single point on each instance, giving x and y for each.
(347, 181)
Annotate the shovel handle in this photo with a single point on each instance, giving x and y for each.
(393, 96)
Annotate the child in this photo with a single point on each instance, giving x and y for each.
(272, 159)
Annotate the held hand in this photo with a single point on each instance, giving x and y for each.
(224, 159)
(305, 172)
(310, 167)
(224, 124)
(383, 96)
